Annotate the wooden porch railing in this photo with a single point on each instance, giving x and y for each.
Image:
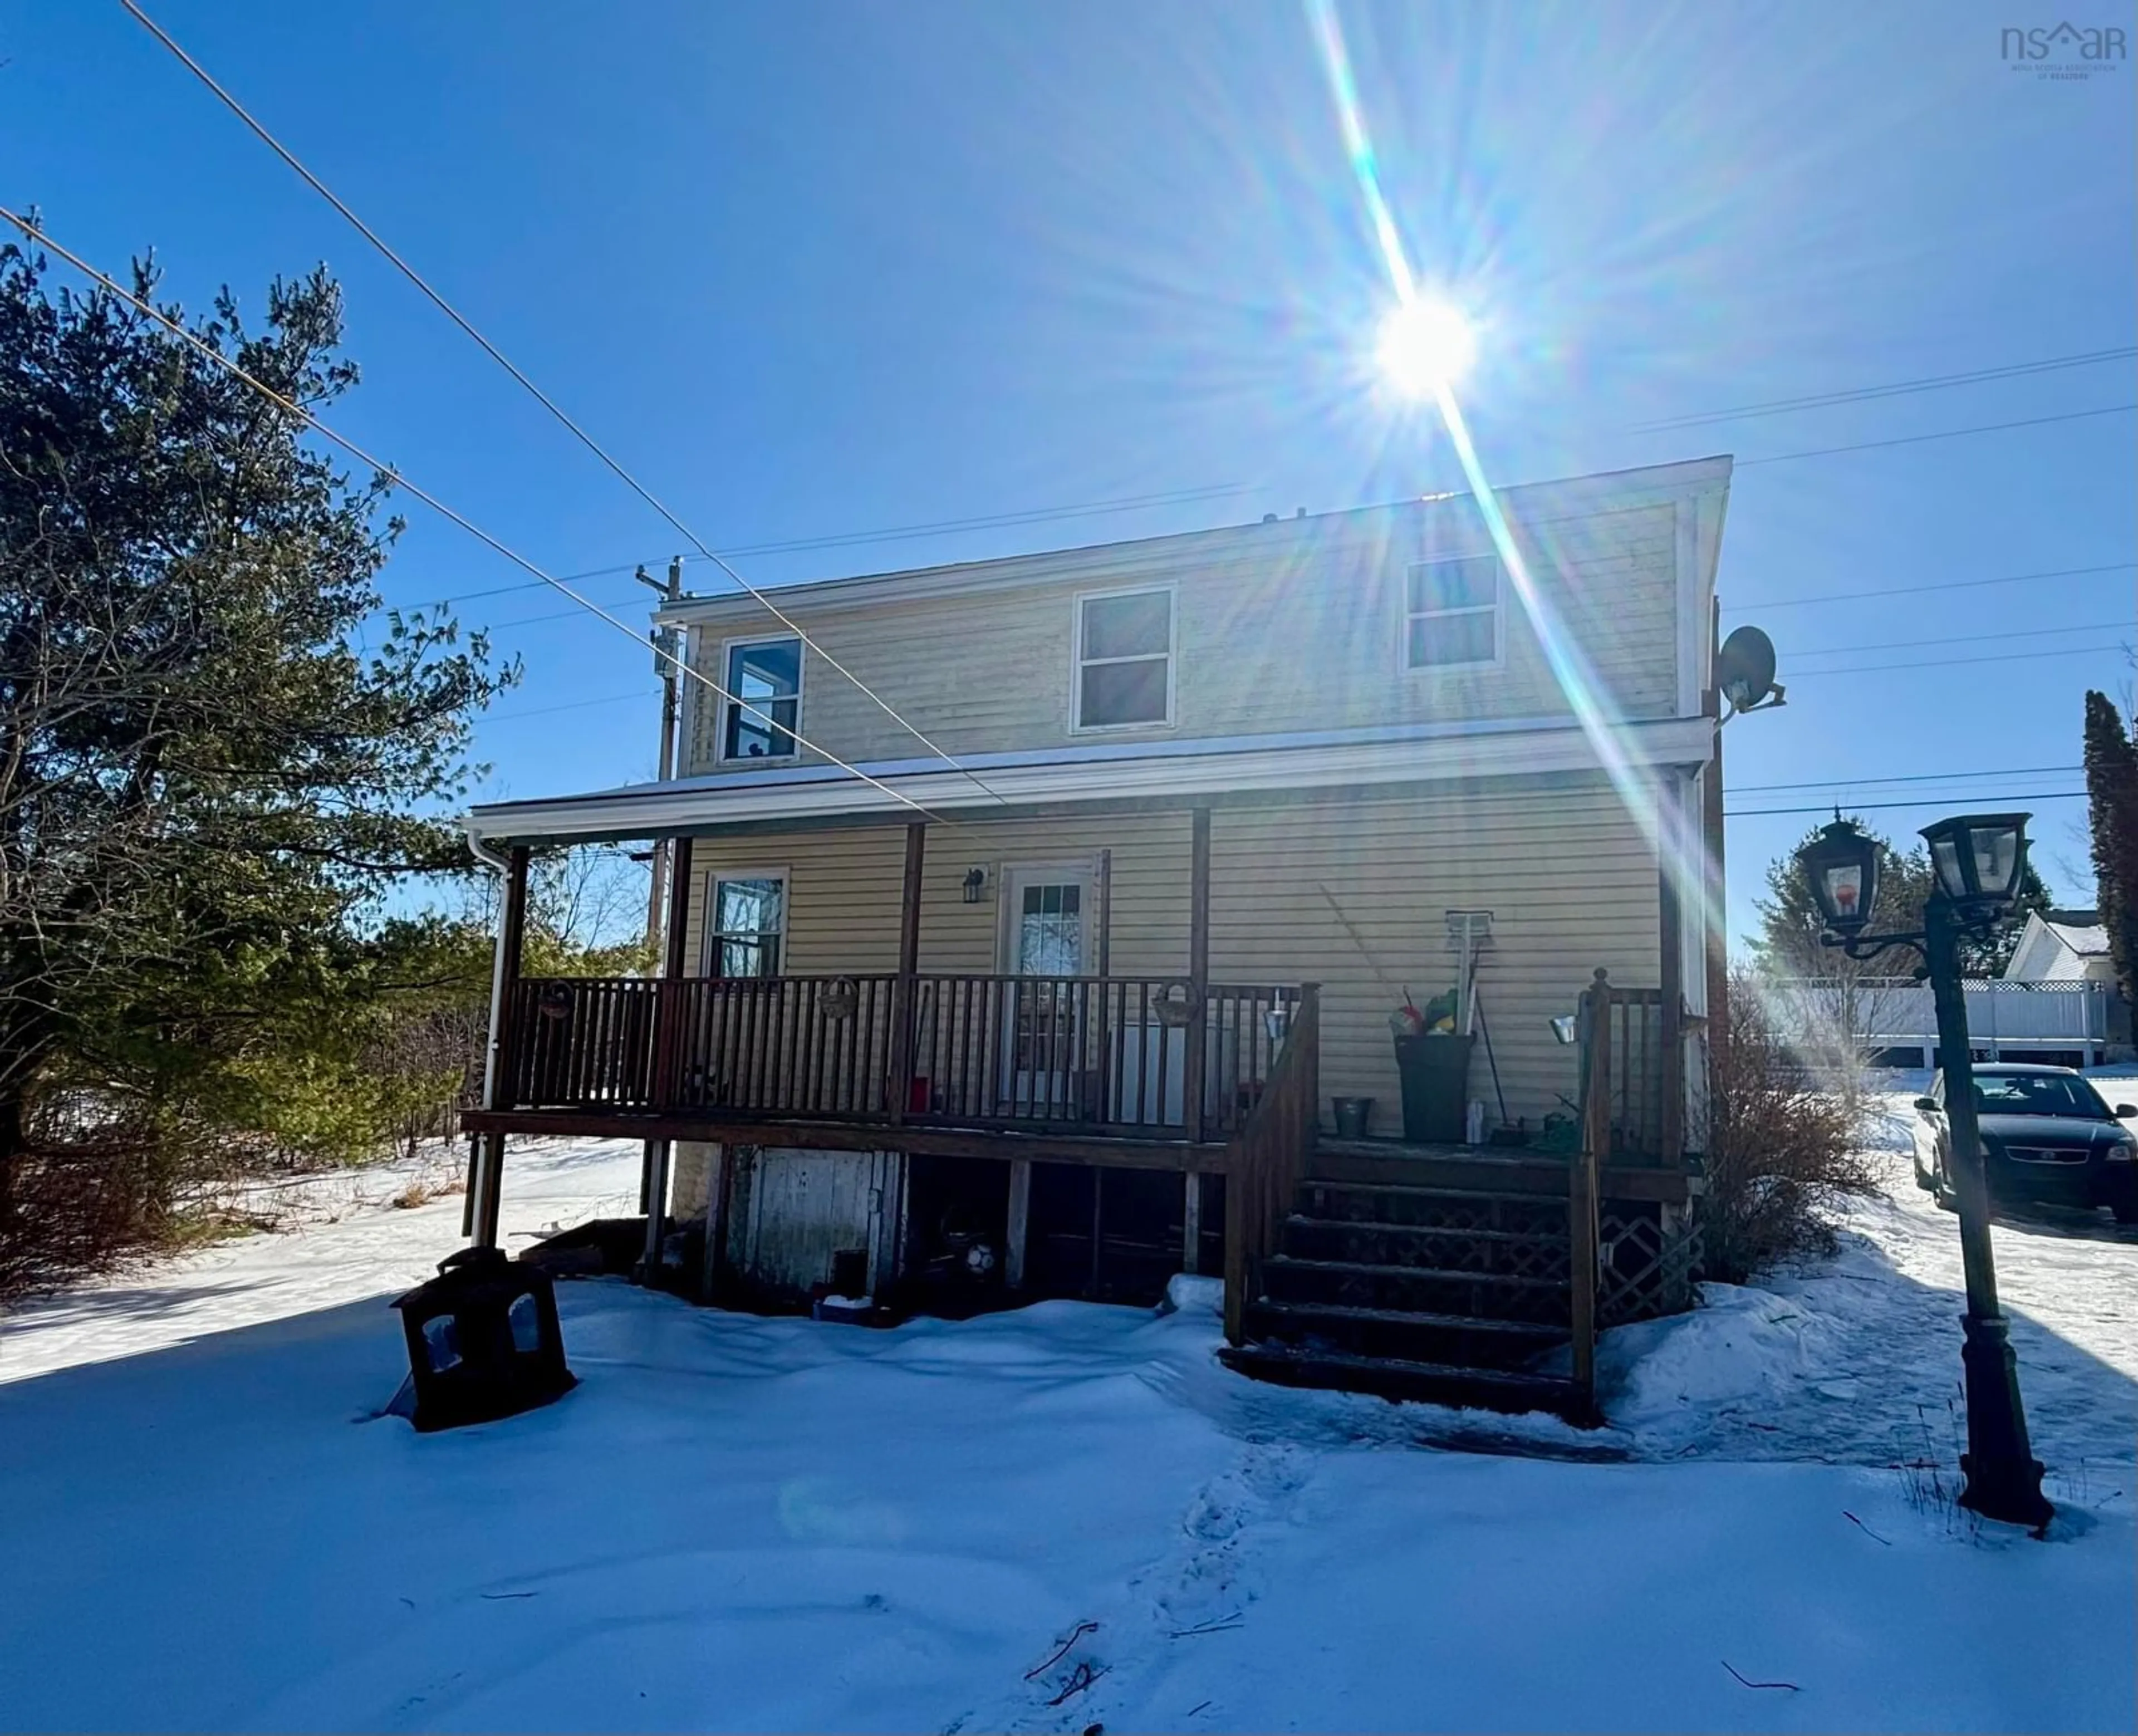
(1269, 1156)
(1104, 1055)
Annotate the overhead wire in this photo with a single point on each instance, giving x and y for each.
(1865, 669)
(38, 238)
(540, 397)
(1901, 388)
(1945, 584)
(1909, 439)
(1975, 638)
(1865, 807)
(1825, 783)
(1126, 503)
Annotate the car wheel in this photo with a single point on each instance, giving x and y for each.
(1941, 1187)
(1923, 1179)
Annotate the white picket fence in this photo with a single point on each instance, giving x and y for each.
(2005, 1021)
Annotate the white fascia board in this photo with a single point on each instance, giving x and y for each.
(1528, 505)
(817, 793)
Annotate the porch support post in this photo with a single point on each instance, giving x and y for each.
(499, 1088)
(1191, 1238)
(1018, 1227)
(1198, 971)
(1583, 1230)
(668, 1053)
(904, 999)
(1670, 918)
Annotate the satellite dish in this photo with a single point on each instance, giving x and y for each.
(1744, 671)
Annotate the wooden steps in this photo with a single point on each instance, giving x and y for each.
(1480, 1389)
(1440, 1281)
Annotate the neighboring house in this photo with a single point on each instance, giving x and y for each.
(2062, 946)
(1068, 1010)
(2071, 947)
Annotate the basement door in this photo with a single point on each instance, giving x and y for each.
(1046, 936)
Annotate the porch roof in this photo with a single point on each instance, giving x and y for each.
(1098, 773)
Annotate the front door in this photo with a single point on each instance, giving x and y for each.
(1047, 925)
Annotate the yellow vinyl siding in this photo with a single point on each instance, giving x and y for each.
(1569, 878)
(844, 887)
(1568, 875)
(1308, 636)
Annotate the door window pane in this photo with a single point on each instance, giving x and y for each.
(1051, 931)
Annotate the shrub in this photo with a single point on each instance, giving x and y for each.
(1782, 1149)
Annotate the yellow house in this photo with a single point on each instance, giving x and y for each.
(1044, 926)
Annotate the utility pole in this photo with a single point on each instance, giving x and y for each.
(669, 643)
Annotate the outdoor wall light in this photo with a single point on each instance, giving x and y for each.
(1979, 860)
(974, 883)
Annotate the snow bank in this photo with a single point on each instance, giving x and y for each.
(738, 1523)
(744, 1524)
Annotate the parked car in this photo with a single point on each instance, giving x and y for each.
(2046, 1136)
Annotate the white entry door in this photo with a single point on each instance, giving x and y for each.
(1048, 930)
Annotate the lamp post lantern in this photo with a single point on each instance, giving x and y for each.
(1978, 860)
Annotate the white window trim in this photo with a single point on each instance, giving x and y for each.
(1171, 591)
(1405, 615)
(728, 647)
(708, 934)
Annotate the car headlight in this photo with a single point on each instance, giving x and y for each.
(2122, 1150)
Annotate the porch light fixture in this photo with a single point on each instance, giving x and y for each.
(974, 883)
(1979, 860)
(1841, 867)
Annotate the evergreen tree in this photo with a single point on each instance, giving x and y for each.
(214, 753)
(2112, 790)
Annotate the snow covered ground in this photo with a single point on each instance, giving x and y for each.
(744, 1524)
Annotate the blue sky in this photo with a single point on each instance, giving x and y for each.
(823, 269)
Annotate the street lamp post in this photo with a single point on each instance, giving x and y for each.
(1978, 859)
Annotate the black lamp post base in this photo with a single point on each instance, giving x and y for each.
(2003, 1477)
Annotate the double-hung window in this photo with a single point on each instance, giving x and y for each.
(1123, 659)
(1452, 614)
(748, 924)
(763, 680)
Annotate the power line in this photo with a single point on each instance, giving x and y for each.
(1909, 439)
(1830, 784)
(1948, 584)
(611, 699)
(1865, 669)
(1864, 807)
(1974, 638)
(540, 395)
(1901, 388)
(1091, 509)
(39, 239)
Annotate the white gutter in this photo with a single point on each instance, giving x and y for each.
(814, 792)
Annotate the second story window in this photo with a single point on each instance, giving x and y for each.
(765, 675)
(1452, 614)
(1123, 659)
